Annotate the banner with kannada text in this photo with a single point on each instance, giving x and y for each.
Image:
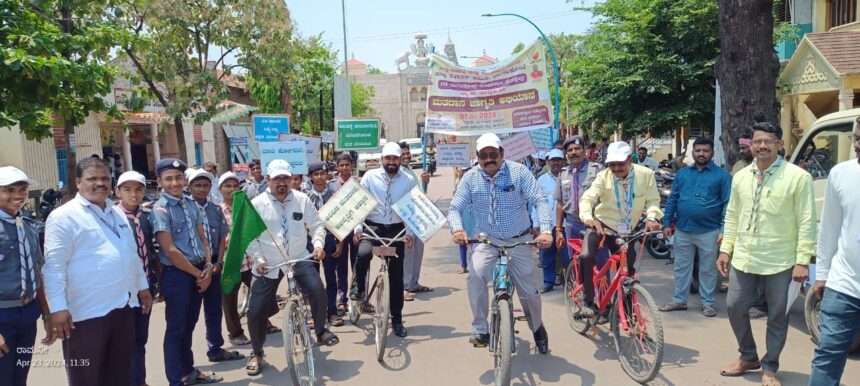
(509, 96)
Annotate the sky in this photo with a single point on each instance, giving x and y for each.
(378, 31)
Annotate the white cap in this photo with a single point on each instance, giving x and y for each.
(131, 175)
(198, 173)
(617, 152)
(279, 167)
(188, 173)
(555, 153)
(227, 176)
(10, 175)
(391, 148)
(489, 140)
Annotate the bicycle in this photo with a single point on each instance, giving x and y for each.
(502, 342)
(380, 289)
(638, 334)
(296, 334)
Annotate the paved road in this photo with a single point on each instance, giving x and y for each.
(437, 352)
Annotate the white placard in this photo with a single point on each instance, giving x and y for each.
(422, 217)
(312, 143)
(292, 152)
(518, 146)
(542, 138)
(349, 206)
(327, 136)
(452, 154)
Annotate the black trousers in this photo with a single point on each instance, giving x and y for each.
(100, 349)
(589, 253)
(395, 266)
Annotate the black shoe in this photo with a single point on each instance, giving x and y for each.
(399, 330)
(541, 340)
(356, 294)
(546, 289)
(480, 340)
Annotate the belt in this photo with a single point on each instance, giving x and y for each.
(16, 302)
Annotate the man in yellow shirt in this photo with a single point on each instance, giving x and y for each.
(616, 199)
(769, 238)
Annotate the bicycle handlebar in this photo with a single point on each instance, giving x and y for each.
(512, 246)
(631, 237)
(383, 239)
(285, 263)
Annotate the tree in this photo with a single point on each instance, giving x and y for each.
(53, 64)
(170, 44)
(646, 66)
(747, 69)
(374, 71)
(518, 48)
(361, 96)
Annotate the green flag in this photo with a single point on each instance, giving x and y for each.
(247, 226)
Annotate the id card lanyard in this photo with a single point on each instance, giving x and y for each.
(626, 219)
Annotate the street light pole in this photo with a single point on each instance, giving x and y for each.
(346, 61)
(554, 64)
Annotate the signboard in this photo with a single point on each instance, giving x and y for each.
(452, 154)
(293, 152)
(267, 127)
(327, 136)
(356, 134)
(349, 206)
(518, 147)
(542, 138)
(312, 144)
(510, 96)
(240, 150)
(422, 217)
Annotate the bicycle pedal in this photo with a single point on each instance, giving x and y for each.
(522, 318)
(479, 345)
(516, 331)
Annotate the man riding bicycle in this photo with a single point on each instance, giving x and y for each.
(498, 193)
(616, 199)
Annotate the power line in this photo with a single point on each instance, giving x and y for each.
(466, 28)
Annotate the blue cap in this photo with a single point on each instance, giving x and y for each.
(169, 163)
(316, 166)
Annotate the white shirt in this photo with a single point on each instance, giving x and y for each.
(548, 183)
(377, 182)
(302, 219)
(838, 255)
(650, 163)
(91, 262)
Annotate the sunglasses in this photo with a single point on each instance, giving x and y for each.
(491, 155)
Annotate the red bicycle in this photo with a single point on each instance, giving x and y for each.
(634, 320)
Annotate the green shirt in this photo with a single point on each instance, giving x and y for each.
(784, 234)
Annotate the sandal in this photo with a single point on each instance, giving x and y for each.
(240, 340)
(224, 356)
(740, 367)
(342, 309)
(254, 366)
(673, 307)
(769, 378)
(198, 378)
(335, 320)
(272, 329)
(408, 296)
(709, 311)
(420, 288)
(328, 338)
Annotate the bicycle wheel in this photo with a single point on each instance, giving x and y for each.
(503, 337)
(297, 345)
(382, 301)
(640, 340)
(574, 303)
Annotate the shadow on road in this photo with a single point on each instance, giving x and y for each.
(437, 292)
(335, 370)
(530, 368)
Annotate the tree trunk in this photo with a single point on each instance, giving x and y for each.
(746, 68)
(286, 97)
(180, 140)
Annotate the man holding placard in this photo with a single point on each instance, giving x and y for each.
(388, 184)
(499, 192)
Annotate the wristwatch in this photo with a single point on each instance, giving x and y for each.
(46, 317)
(651, 219)
(546, 233)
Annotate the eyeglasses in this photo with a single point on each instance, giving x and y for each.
(856, 139)
(483, 156)
(767, 142)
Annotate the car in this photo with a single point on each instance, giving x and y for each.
(828, 142)
(369, 159)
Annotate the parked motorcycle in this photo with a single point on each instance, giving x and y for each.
(658, 247)
(431, 164)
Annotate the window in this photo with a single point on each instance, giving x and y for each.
(826, 149)
(782, 11)
(413, 94)
(423, 93)
(841, 12)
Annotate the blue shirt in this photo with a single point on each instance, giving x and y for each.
(10, 258)
(699, 199)
(499, 203)
(217, 226)
(169, 216)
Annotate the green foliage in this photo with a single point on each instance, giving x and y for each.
(361, 96)
(52, 68)
(374, 71)
(646, 65)
(267, 95)
(518, 48)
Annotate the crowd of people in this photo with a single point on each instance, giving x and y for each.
(108, 254)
